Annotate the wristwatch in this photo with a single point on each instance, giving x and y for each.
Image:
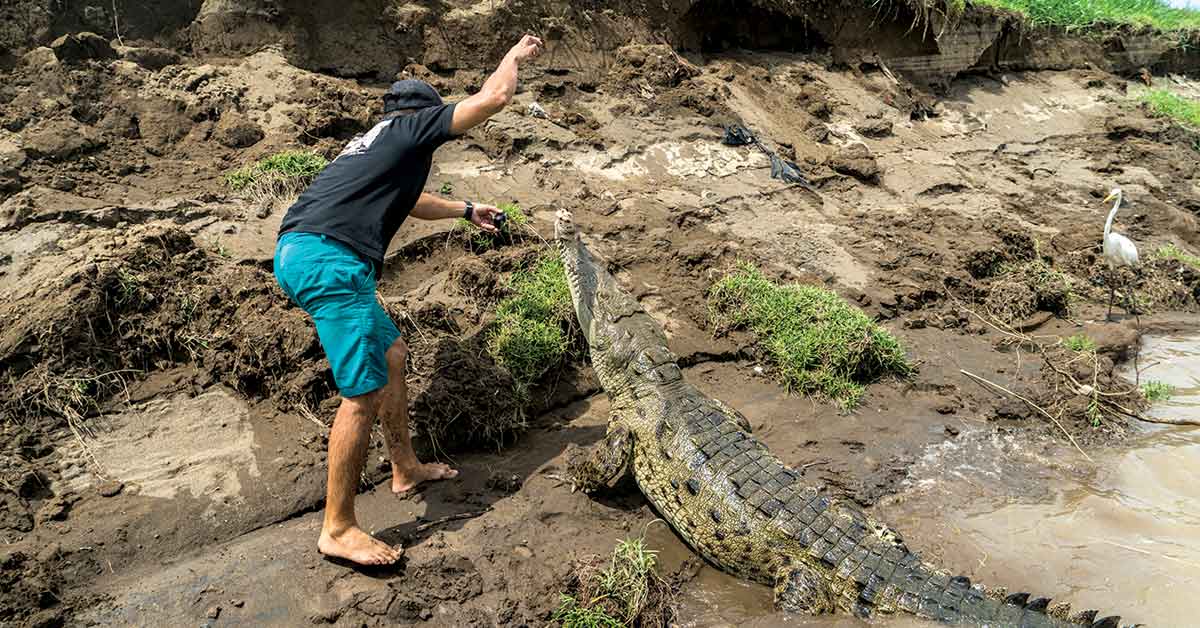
(468, 211)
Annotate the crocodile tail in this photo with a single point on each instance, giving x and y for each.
(962, 603)
(922, 590)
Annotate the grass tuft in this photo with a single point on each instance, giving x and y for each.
(1167, 104)
(627, 591)
(518, 224)
(1080, 343)
(276, 180)
(573, 615)
(1157, 391)
(531, 332)
(818, 342)
(1082, 14)
(1170, 251)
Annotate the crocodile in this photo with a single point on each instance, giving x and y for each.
(737, 505)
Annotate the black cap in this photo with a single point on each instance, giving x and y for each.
(410, 94)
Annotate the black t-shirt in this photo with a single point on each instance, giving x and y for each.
(362, 196)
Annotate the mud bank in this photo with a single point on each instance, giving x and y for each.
(929, 44)
(165, 409)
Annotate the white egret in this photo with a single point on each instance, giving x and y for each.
(1118, 250)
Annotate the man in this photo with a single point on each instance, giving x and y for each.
(329, 256)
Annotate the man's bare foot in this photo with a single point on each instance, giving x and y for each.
(402, 482)
(357, 546)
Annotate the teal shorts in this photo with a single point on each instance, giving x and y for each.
(336, 286)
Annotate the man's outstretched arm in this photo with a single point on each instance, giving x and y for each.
(498, 90)
(430, 207)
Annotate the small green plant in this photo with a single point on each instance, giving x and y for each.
(572, 614)
(817, 341)
(625, 591)
(1155, 391)
(1170, 251)
(530, 336)
(1167, 104)
(129, 287)
(1093, 411)
(276, 180)
(447, 188)
(1080, 343)
(290, 164)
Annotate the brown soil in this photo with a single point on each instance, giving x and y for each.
(163, 409)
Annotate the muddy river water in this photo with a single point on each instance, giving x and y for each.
(1121, 535)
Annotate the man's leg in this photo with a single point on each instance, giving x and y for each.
(348, 442)
(407, 471)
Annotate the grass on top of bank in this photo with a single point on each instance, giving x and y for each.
(1083, 14)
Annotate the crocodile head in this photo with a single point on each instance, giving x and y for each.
(625, 343)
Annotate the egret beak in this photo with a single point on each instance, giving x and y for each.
(1109, 198)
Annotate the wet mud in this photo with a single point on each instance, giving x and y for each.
(164, 410)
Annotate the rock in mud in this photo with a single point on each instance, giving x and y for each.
(39, 58)
(59, 140)
(235, 131)
(857, 161)
(1119, 127)
(150, 58)
(79, 47)
(876, 127)
(657, 65)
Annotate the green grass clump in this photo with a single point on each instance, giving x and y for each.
(627, 591)
(1157, 391)
(572, 615)
(819, 342)
(274, 182)
(1080, 14)
(1167, 104)
(1080, 343)
(289, 164)
(1170, 251)
(530, 335)
(518, 223)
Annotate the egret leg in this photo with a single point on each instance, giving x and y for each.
(1112, 286)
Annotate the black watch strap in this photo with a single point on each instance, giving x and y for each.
(468, 211)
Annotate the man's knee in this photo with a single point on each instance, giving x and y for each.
(365, 406)
(397, 355)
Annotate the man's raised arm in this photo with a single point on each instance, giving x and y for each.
(498, 90)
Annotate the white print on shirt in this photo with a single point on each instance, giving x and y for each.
(361, 143)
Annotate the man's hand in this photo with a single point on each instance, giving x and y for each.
(528, 48)
(484, 217)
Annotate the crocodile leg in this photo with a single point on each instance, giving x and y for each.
(801, 589)
(603, 463)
